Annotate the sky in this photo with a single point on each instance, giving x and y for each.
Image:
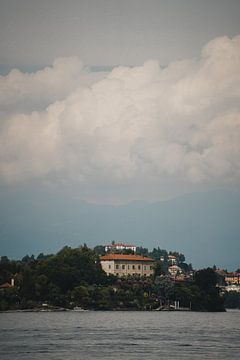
(111, 32)
(118, 101)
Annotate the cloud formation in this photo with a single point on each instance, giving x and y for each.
(144, 123)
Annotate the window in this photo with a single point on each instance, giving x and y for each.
(151, 267)
(133, 267)
(123, 267)
(109, 266)
(128, 267)
(145, 268)
(117, 267)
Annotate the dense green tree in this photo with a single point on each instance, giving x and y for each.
(41, 256)
(206, 279)
(156, 254)
(158, 269)
(180, 258)
(4, 260)
(27, 259)
(186, 268)
(211, 300)
(165, 287)
(9, 299)
(142, 251)
(74, 277)
(81, 296)
(232, 300)
(99, 249)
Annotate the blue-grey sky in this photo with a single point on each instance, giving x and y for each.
(160, 118)
(111, 32)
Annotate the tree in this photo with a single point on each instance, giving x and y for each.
(180, 258)
(127, 252)
(165, 287)
(158, 269)
(4, 260)
(205, 279)
(99, 249)
(41, 256)
(81, 296)
(142, 251)
(27, 259)
(232, 300)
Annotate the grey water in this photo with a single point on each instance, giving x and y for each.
(119, 335)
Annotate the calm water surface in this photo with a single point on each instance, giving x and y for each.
(119, 335)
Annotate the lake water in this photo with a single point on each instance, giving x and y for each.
(119, 335)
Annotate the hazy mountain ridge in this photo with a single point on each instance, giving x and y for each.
(205, 226)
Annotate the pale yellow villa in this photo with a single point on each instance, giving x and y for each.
(124, 265)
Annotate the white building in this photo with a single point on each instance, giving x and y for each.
(174, 270)
(235, 288)
(119, 247)
(124, 265)
(172, 260)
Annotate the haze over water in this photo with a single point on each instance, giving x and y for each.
(119, 335)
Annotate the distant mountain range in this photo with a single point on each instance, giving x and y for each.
(204, 226)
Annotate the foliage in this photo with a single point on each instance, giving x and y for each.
(99, 249)
(156, 254)
(74, 277)
(232, 300)
(179, 256)
(158, 269)
(209, 299)
(142, 251)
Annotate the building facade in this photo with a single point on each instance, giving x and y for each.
(172, 260)
(232, 278)
(120, 247)
(124, 265)
(174, 270)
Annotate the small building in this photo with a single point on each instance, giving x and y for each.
(124, 265)
(5, 286)
(174, 270)
(232, 278)
(235, 288)
(120, 247)
(172, 260)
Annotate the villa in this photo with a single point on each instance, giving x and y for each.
(124, 265)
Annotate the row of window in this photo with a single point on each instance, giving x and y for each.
(133, 267)
(132, 274)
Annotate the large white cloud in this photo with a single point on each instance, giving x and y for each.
(134, 124)
(34, 91)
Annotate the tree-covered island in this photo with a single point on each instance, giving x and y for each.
(74, 278)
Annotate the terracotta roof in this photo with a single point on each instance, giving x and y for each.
(232, 274)
(5, 286)
(120, 244)
(125, 257)
(221, 272)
